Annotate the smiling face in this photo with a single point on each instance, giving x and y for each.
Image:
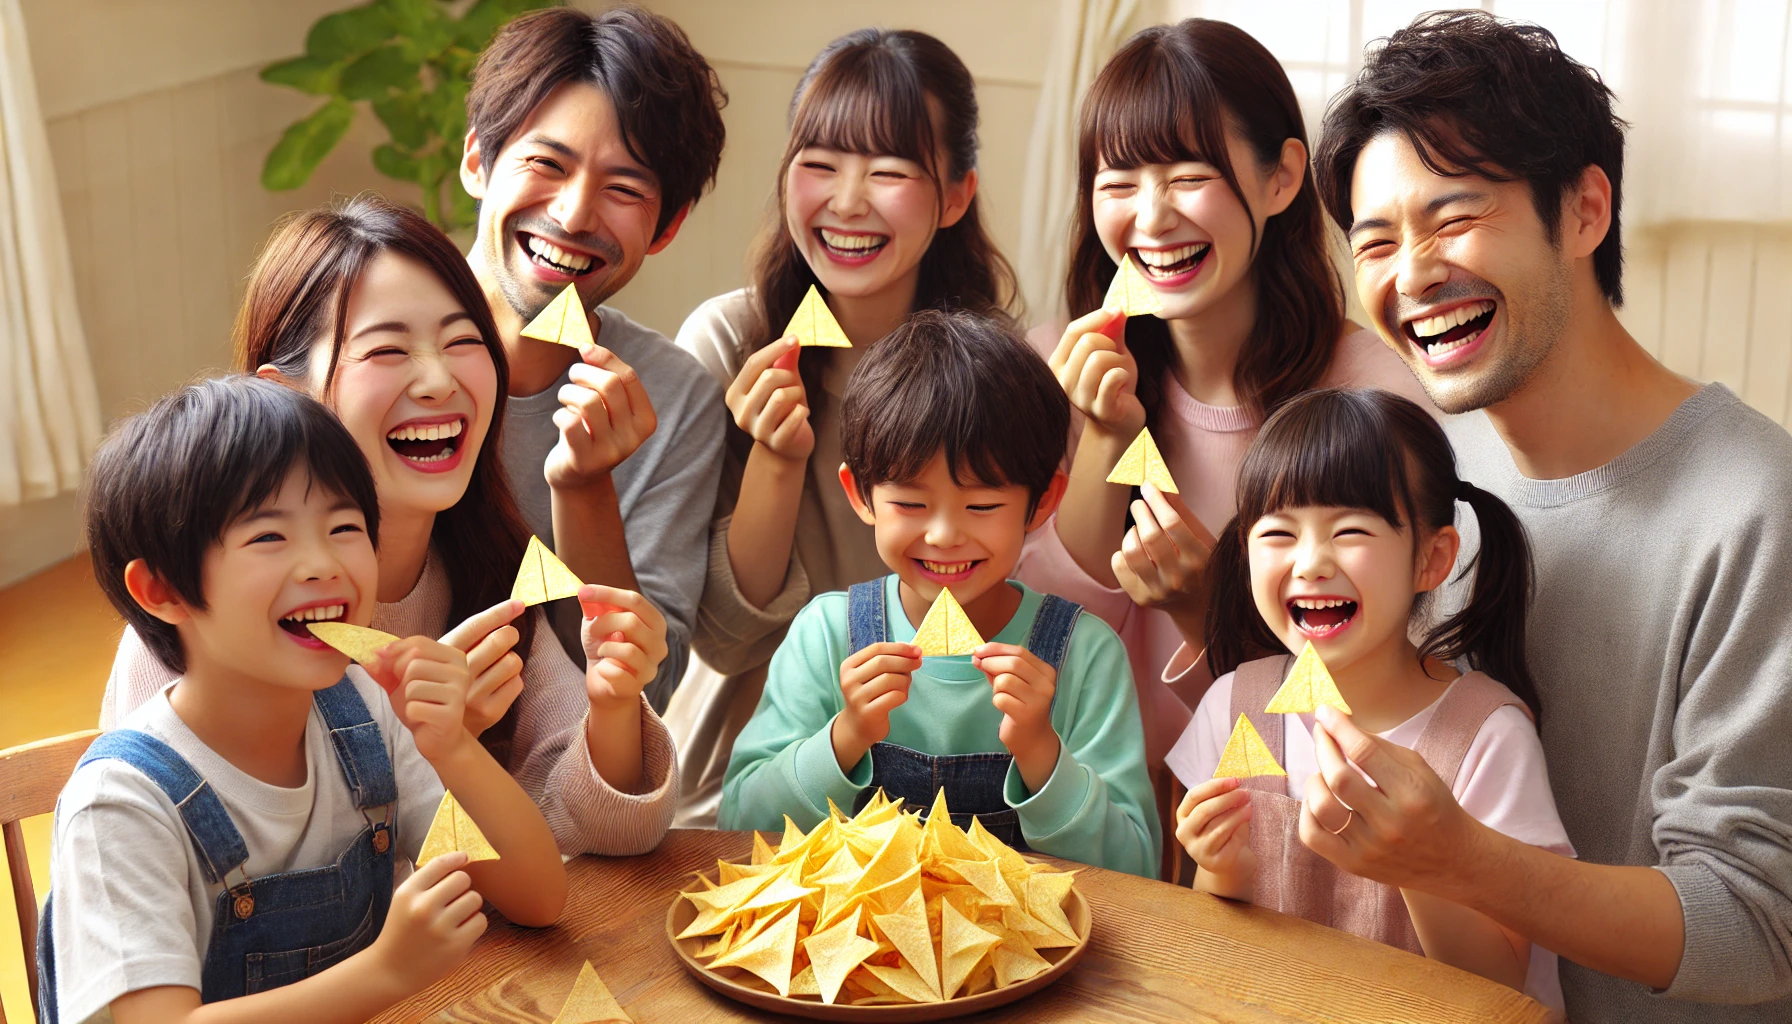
(564, 201)
(1185, 228)
(415, 384)
(1343, 579)
(1458, 273)
(303, 555)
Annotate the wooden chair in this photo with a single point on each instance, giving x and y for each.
(31, 776)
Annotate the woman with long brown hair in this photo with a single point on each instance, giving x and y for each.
(877, 208)
(1192, 162)
(373, 311)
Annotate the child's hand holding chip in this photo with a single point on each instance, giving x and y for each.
(874, 680)
(1023, 686)
(1213, 824)
(427, 681)
(625, 639)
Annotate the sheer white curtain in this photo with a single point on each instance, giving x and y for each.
(49, 410)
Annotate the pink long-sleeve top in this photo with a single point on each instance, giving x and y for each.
(549, 758)
(1203, 445)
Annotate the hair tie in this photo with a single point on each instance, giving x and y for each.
(1463, 489)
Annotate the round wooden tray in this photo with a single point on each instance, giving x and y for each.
(723, 979)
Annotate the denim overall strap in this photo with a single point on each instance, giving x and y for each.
(866, 619)
(220, 846)
(360, 749)
(1049, 639)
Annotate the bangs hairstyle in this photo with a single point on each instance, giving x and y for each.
(1498, 100)
(667, 98)
(1172, 94)
(867, 93)
(167, 483)
(298, 296)
(1376, 451)
(959, 384)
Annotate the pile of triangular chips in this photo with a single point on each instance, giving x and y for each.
(1309, 684)
(883, 909)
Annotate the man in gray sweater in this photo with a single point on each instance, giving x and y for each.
(1476, 172)
(589, 139)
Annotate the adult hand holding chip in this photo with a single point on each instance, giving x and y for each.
(874, 681)
(1023, 686)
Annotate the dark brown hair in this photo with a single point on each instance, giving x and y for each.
(1373, 450)
(667, 98)
(866, 92)
(959, 383)
(1172, 93)
(298, 295)
(167, 483)
(1477, 95)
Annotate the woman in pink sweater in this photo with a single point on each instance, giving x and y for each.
(1193, 162)
(372, 310)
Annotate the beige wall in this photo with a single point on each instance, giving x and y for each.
(158, 127)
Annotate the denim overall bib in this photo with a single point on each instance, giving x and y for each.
(277, 929)
(973, 783)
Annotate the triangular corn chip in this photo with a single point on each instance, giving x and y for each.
(902, 981)
(562, 322)
(453, 830)
(962, 944)
(1131, 293)
(1309, 684)
(804, 983)
(908, 930)
(768, 954)
(946, 630)
(1246, 755)
(986, 877)
(1015, 960)
(834, 952)
(814, 324)
(1142, 463)
(591, 1002)
(1045, 897)
(543, 577)
(358, 642)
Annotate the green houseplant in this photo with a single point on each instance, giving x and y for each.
(411, 61)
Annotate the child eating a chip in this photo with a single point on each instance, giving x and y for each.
(953, 432)
(230, 851)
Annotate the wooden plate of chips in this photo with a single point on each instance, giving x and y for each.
(743, 987)
(885, 915)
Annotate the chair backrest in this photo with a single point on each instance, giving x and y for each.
(31, 776)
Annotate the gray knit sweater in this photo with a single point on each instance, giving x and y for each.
(1661, 643)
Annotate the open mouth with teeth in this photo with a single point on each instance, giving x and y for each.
(1166, 264)
(947, 572)
(1321, 616)
(1451, 330)
(294, 622)
(427, 443)
(545, 254)
(851, 247)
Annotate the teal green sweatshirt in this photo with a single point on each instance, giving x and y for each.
(1096, 808)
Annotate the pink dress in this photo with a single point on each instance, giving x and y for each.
(1203, 445)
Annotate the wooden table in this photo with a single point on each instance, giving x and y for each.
(1158, 953)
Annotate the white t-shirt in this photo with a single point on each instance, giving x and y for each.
(132, 907)
(1503, 782)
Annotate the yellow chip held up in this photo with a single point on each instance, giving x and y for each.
(454, 830)
(1131, 293)
(814, 324)
(1246, 755)
(1309, 684)
(563, 322)
(946, 630)
(543, 577)
(358, 642)
(590, 1002)
(1142, 463)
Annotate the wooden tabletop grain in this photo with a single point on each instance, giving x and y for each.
(1158, 953)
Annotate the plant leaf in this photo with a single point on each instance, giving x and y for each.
(388, 160)
(377, 72)
(424, 28)
(346, 34)
(305, 144)
(307, 74)
(485, 17)
(403, 116)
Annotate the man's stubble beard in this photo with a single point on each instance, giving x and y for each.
(1529, 342)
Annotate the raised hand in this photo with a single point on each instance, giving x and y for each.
(427, 682)
(625, 641)
(432, 924)
(1099, 375)
(1162, 561)
(489, 642)
(1022, 688)
(874, 682)
(769, 403)
(1213, 823)
(604, 416)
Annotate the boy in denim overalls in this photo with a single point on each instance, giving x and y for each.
(236, 840)
(953, 433)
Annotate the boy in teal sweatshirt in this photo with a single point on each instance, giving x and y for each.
(953, 433)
